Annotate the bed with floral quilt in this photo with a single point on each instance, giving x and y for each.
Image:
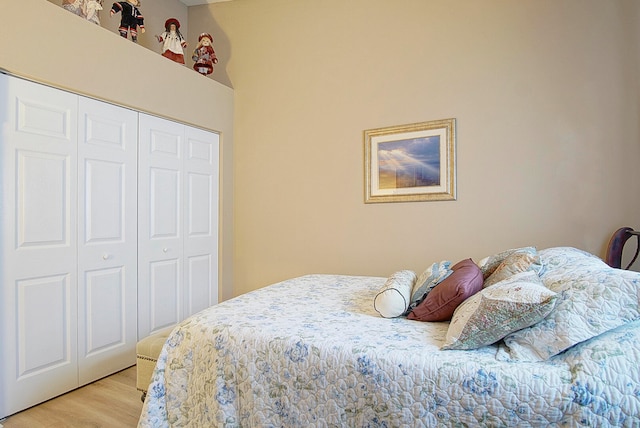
(526, 337)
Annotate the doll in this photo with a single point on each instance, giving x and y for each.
(73, 6)
(173, 41)
(204, 55)
(131, 18)
(87, 9)
(91, 9)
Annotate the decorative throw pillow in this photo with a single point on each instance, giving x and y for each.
(393, 299)
(514, 263)
(465, 281)
(592, 298)
(490, 263)
(510, 305)
(431, 277)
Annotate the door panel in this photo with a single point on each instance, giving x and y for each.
(201, 219)
(44, 346)
(200, 277)
(107, 224)
(43, 206)
(37, 117)
(164, 297)
(199, 205)
(104, 201)
(160, 233)
(164, 204)
(105, 291)
(38, 130)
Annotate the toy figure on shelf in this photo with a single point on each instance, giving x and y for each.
(173, 41)
(87, 9)
(131, 18)
(73, 6)
(91, 9)
(204, 55)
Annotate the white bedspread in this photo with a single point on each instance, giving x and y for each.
(312, 351)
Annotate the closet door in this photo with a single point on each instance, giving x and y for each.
(201, 219)
(160, 224)
(107, 239)
(39, 244)
(178, 222)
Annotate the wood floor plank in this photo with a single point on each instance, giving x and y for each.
(112, 402)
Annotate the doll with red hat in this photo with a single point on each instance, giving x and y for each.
(172, 41)
(204, 55)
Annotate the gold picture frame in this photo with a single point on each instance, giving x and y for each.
(409, 163)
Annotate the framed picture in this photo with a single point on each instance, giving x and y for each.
(409, 163)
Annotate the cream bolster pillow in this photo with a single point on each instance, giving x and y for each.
(394, 297)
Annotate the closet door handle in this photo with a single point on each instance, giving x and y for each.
(164, 250)
(105, 256)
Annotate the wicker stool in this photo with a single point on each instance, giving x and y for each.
(147, 352)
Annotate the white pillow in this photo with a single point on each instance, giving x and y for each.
(514, 263)
(489, 264)
(507, 306)
(394, 297)
(592, 298)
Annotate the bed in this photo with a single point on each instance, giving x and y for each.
(316, 351)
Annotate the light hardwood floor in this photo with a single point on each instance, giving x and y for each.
(112, 402)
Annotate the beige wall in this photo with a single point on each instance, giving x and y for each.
(55, 47)
(545, 94)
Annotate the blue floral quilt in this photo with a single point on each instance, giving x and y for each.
(313, 352)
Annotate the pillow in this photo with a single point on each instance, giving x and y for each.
(510, 305)
(514, 263)
(592, 298)
(489, 264)
(393, 299)
(465, 281)
(431, 277)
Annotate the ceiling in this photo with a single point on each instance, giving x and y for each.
(198, 2)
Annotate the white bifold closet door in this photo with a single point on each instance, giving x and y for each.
(39, 237)
(178, 222)
(68, 235)
(107, 238)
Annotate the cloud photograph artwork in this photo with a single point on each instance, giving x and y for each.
(409, 163)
